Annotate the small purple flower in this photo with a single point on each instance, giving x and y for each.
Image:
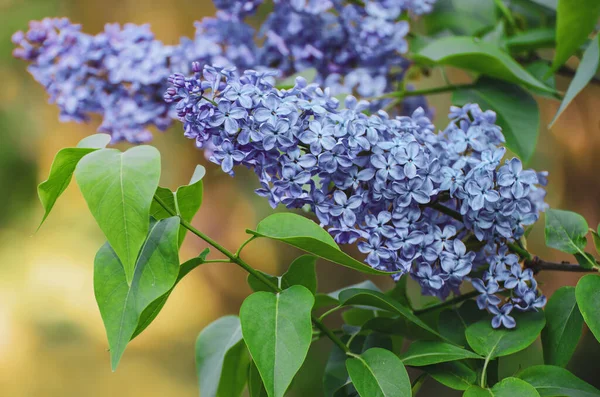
(380, 224)
(277, 133)
(345, 207)
(228, 115)
(273, 109)
(227, 156)
(515, 180)
(518, 277)
(375, 250)
(415, 189)
(481, 190)
(502, 316)
(292, 181)
(319, 137)
(487, 291)
(387, 166)
(412, 158)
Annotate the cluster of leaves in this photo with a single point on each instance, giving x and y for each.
(263, 348)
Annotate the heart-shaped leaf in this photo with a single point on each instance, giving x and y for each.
(587, 293)
(152, 310)
(118, 188)
(421, 353)
(306, 235)
(379, 372)
(221, 358)
(492, 343)
(565, 231)
(277, 330)
(302, 271)
(62, 169)
(553, 381)
(155, 272)
(185, 202)
(564, 324)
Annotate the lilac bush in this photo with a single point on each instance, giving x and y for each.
(447, 209)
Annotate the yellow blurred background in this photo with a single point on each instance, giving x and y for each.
(52, 341)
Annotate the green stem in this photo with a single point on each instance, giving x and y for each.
(244, 244)
(484, 372)
(330, 311)
(241, 263)
(447, 303)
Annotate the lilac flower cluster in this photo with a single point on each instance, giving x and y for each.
(351, 46)
(117, 73)
(122, 72)
(438, 206)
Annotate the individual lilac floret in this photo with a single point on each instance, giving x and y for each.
(414, 201)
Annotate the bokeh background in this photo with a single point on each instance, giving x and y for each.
(52, 340)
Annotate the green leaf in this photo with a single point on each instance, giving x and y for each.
(185, 202)
(480, 57)
(379, 300)
(550, 4)
(516, 111)
(453, 323)
(118, 188)
(335, 378)
(95, 141)
(255, 385)
(511, 387)
(154, 274)
(464, 17)
(221, 358)
(531, 40)
(421, 353)
(152, 310)
(63, 167)
(552, 381)
(564, 324)
(400, 292)
(256, 285)
(336, 375)
(306, 235)
(302, 271)
(277, 330)
(332, 298)
(492, 343)
(587, 293)
(379, 373)
(585, 72)
(575, 20)
(565, 231)
(476, 391)
(596, 238)
(454, 375)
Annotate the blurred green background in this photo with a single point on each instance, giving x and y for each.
(52, 340)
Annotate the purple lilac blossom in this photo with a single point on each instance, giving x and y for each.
(121, 73)
(379, 181)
